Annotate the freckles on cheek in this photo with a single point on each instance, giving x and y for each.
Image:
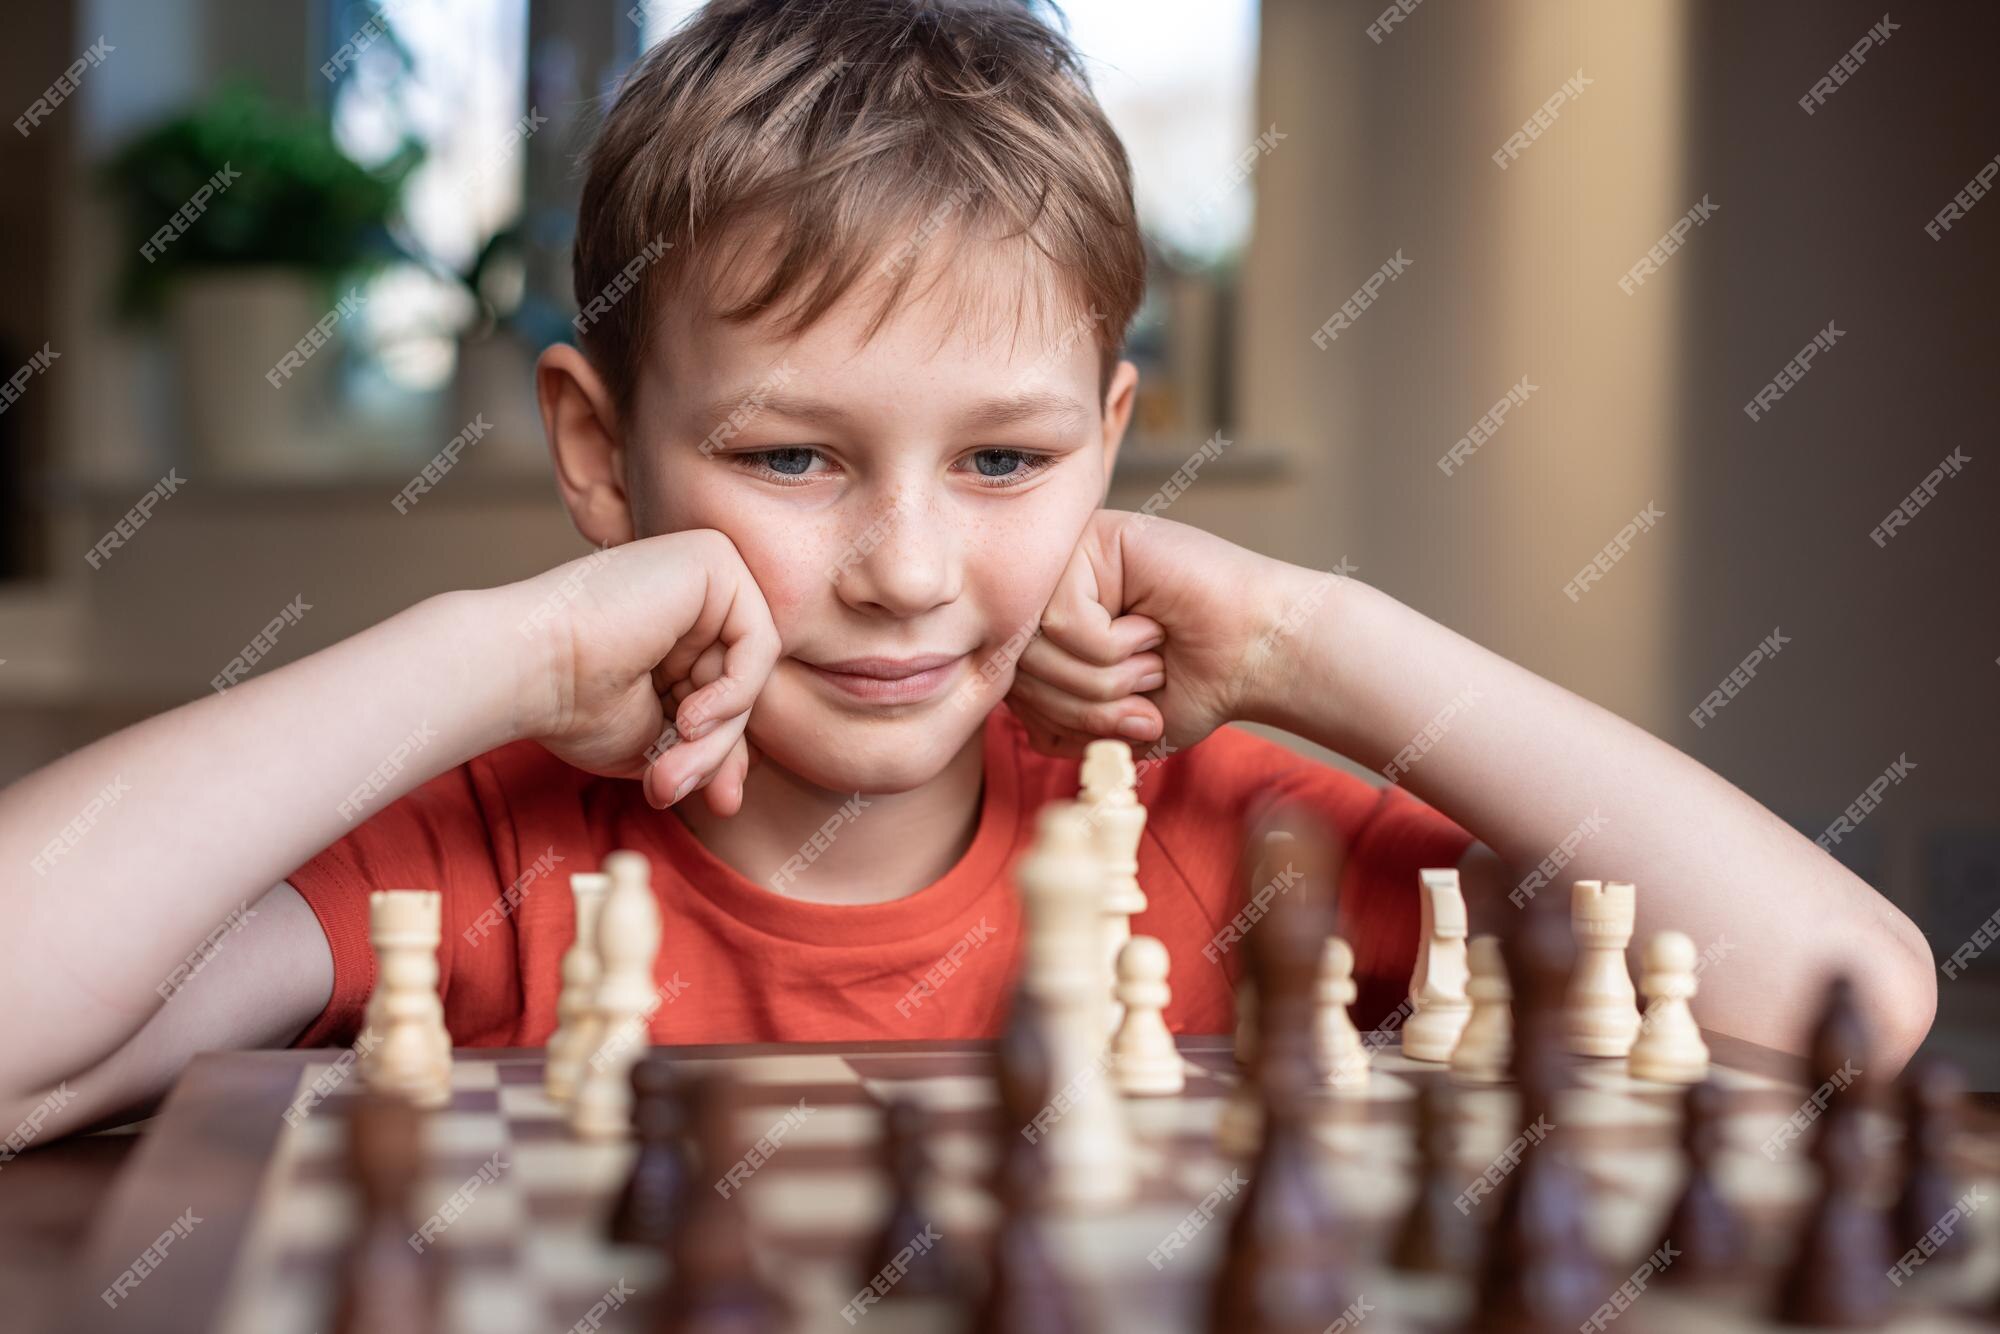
(790, 571)
(1019, 568)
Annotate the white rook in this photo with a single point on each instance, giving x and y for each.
(1603, 1009)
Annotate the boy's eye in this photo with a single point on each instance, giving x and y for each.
(790, 462)
(1008, 465)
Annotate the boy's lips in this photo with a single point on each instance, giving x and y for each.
(889, 680)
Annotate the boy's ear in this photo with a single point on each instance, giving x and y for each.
(1119, 397)
(582, 426)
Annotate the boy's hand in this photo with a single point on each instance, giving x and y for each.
(1151, 635)
(624, 629)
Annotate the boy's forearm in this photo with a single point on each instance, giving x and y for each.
(125, 854)
(1561, 790)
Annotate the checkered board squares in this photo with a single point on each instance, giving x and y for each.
(527, 1252)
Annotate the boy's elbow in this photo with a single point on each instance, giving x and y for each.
(1901, 978)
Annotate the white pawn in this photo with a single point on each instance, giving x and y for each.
(1486, 1048)
(1438, 1003)
(1338, 1051)
(412, 1058)
(576, 1036)
(1144, 1060)
(628, 942)
(1603, 1010)
(1670, 1049)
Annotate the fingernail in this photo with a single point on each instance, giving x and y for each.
(687, 784)
(1151, 681)
(1136, 727)
(1151, 644)
(699, 730)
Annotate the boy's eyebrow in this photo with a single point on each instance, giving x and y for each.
(988, 414)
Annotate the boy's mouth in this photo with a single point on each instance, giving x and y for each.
(889, 680)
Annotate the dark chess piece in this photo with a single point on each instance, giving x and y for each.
(714, 1287)
(1436, 1236)
(387, 1286)
(1538, 1271)
(1703, 1228)
(1839, 1277)
(908, 1247)
(1024, 1292)
(1285, 1269)
(655, 1196)
(1933, 1099)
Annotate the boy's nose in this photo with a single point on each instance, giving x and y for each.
(904, 561)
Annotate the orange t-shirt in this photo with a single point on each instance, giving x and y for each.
(740, 962)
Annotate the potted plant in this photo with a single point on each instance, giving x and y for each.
(243, 220)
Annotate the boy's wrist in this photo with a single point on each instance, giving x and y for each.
(500, 663)
(1292, 680)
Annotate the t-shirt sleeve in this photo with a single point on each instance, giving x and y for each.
(434, 838)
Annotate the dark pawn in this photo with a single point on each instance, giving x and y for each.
(1839, 1276)
(1436, 1236)
(1538, 1271)
(908, 1233)
(1705, 1233)
(1284, 1269)
(1933, 1095)
(714, 1287)
(1024, 1292)
(386, 1286)
(655, 1195)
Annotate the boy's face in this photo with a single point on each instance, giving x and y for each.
(905, 500)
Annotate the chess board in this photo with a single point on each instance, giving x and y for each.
(527, 1252)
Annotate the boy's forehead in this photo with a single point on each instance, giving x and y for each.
(976, 317)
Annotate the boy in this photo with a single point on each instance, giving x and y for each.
(840, 437)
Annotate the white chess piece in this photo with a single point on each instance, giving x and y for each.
(413, 1056)
(628, 943)
(1486, 1048)
(1439, 1006)
(1089, 1152)
(576, 1036)
(1669, 1049)
(1338, 1052)
(1117, 821)
(1602, 1009)
(1143, 1056)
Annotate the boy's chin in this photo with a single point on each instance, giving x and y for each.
(845, 752)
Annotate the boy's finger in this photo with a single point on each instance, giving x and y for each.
(746, 665)
(1045, 736)
(724, 792)
(1132, 717)
(1082, 615)
(1059, 667)
(679, 770)
(1088, 631)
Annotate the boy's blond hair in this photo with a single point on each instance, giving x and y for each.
(833, 142)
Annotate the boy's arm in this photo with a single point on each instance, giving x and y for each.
(1520, 762)
(265, 984)
(1527, 767)
(126, 854)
